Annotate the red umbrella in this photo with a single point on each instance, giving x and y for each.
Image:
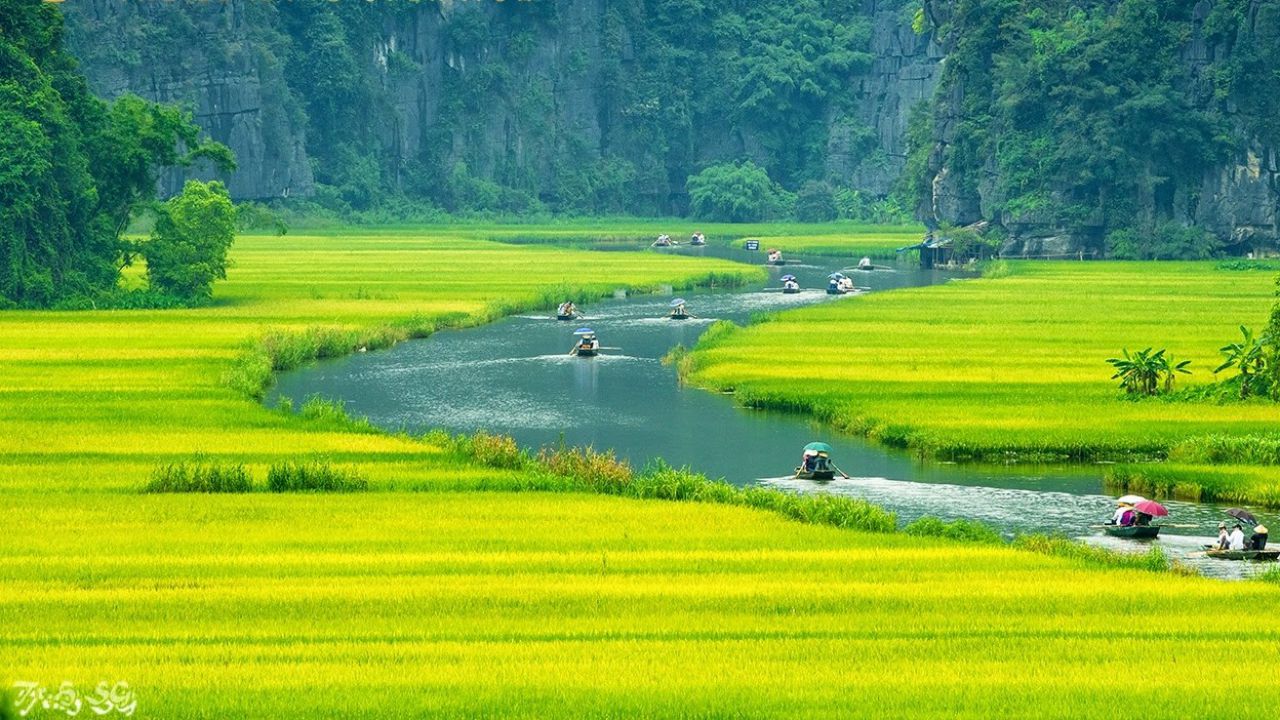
(1151, 507)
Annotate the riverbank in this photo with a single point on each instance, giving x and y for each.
(1003, 369)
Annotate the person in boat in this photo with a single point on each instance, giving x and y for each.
(698, 238)
(1141, 519)
(567, 309)
(1258, 540)
(679, 311)
(586, 344)
(845, 284)
(864, 264)
(1224, 539)
(663, 240)
(775, 256)
(1123, 516)
(1236, 538)
(790, 285)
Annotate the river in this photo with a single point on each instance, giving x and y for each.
(515, 377)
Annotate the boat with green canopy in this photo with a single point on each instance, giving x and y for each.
(815, 463)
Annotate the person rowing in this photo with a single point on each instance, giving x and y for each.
(567, 311)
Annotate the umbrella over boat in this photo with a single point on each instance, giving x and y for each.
(787, 278)
(584, 331)
(1151, 507)
(677, 302)
(1242, 515)
(1130, 500)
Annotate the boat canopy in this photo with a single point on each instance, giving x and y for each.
(584, 331)
(677, 302)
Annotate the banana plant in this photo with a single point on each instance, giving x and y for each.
(1247, 356)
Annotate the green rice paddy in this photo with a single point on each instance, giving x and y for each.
(990, 368)
(532, 605)
(431, 597)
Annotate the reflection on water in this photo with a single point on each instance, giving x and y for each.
(516, 377)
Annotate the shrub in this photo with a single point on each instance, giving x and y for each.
(199, 477)
(496, 451)
(313, 477)
(596, 471)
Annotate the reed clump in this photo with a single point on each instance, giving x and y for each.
(199, 477)
(313, 476)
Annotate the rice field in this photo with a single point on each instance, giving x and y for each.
(1005, 367)
(507, 605)
(434, 595)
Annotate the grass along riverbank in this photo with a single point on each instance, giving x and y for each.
(994, 369)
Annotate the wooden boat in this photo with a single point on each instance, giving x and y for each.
(1254, 555)
(802, 474)
(565, 317)
(681, 316)
(790, 290)
(1132, 531)
(585, 352)
(833, 290)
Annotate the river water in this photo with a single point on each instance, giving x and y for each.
(515, 377)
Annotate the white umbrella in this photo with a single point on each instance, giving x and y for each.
(1130, 500)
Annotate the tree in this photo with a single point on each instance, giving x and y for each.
(1146, 372)
(735, 193)
(1248, 357)
(188, 248)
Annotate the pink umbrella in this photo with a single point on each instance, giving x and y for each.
(1151, 507)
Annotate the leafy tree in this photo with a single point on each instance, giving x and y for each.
(188, 248)
(1248, 357)
(735, 193)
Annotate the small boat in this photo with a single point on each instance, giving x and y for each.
(565, 317)
(678, 312)
(678, 316)
(774, 257)
(836, 284)
(1250, 555)
(817, 463)
(697, 240)
(1140, 532)
(587, 345)
(790, 286)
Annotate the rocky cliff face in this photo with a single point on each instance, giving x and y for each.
(1235, 197)
(563, 93)
(209, 57)
(903, 75)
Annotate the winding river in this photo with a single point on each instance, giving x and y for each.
(515, 377)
